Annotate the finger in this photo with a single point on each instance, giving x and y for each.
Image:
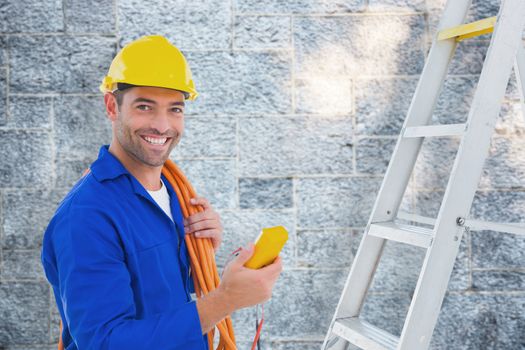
(200, 201)
(244, 255)
(274, 268)
(214, 235)
(210, 233)
(203, 225)
(203, 215)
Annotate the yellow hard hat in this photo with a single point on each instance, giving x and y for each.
(150, 61)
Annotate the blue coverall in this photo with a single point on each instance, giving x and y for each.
(119, 267)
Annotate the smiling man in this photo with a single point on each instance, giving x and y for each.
(114, 252)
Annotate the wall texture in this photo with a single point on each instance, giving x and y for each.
(301, 103)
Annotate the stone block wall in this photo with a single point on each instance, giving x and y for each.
(300, 107)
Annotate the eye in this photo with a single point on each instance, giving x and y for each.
(177, 110)
(144, 107)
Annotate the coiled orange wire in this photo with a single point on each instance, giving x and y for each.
(202, 257)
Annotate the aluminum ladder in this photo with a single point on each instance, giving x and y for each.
(442, 239)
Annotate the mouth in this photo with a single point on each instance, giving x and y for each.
(155, 141)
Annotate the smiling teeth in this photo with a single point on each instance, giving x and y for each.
(156, 141)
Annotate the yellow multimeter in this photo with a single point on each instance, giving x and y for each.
(267, 246)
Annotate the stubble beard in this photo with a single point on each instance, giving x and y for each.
(131, 143)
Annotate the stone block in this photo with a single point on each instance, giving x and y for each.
(387, 311)
(359, 45)
(434, 163)
(498, 280)
(497, 250)
(427, 203)
(480, 9)
(24, 310)
(299, 6)
(513, 90)
(30, 112)
(26, 214)
(3, 50)
(396, 5)
(336, 201)
(382, 104)
(31, 16)
(244, 325)
(243, 226)
(326, 248)
(54, 331)
(302, 145)
(469, 57)
(3, 96)
(321, 95)
(501, 206)
(90, 17)
(504, 167)
(27, 158)
(292, 345)
(398, 269)
(81, 126)
(22, 265)
(275, 193)
(317, 291)
(455, 99)
(511, 121)
(213, 179)
(32, 347)
(373, 155)
(241, 82)
(262, 32)
(480, 321)
(70, 170)
(59, 63)
(203, 25)
(207, 137)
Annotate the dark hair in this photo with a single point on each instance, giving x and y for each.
(120, 91)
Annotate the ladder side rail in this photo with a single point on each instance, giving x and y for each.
(400, 166)
(399, 169)
(519, 69)
(440, 258)
(419, 114)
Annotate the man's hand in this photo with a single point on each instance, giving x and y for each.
(246, 287)
(206, 224)
(240, 287)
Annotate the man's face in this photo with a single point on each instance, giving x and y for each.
(150, 123)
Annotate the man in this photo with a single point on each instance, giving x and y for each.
(114, 251)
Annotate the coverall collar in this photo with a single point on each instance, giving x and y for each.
(108, 167)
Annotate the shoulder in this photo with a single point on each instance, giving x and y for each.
(91, 201)
(85, 219)
(90, 194)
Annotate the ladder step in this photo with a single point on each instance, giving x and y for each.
(469, 30)
(413, 235)
(435, 130)
(364, 335)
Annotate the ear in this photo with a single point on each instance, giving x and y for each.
(111, 106)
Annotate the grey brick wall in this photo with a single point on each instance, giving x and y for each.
(301, 102)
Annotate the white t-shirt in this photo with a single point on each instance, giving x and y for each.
(162, 198)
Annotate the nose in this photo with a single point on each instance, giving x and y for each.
(161, 122)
